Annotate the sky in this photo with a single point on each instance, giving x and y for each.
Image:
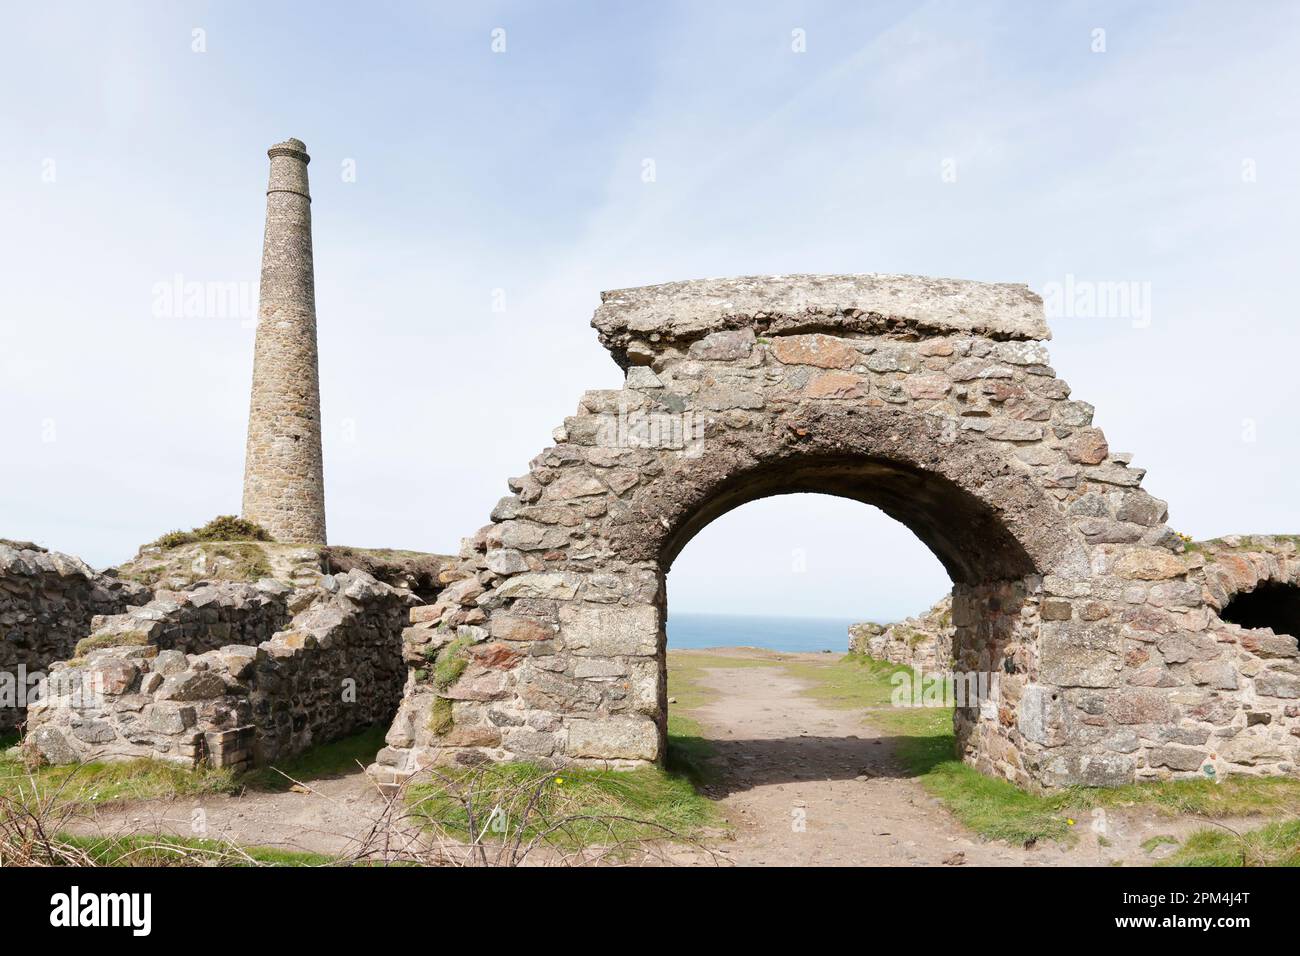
(480, 172)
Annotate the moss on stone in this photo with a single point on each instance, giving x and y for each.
(451, 663)
(121, 639)
(440, 719)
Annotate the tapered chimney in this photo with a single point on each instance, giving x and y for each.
(284, 484)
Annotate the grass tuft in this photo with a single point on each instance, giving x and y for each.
(569, 808)
(451, 663)
(170, 851)
(118, 639)
(1275, 844)
(220, 528)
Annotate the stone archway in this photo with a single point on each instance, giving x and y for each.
(932, 399)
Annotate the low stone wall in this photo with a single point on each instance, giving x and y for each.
(923, 643)
(335, 669)
(205, 618)
(47, 603)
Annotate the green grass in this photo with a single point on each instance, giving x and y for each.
(689, 751)
(110, 782)
(103, 783)
(597, 807)
(849, 682)
(335, 759)
(147, 850)
(441, 717)
(1275, 844)
(451, 663)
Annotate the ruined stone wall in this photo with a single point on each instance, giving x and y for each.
(931, 399)
(206, 617)
(334, 670)
(47, 602)
(923, 643)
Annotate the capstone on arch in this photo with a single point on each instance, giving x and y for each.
(1103, 655)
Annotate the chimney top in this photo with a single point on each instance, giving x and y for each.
(290, 147)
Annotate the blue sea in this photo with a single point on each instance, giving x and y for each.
(686, 630)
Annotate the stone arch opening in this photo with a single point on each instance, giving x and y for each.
(932, 399)
(1274, 605)
(957, 509)
(964, 533)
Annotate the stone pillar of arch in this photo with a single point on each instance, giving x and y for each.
(1080, 621)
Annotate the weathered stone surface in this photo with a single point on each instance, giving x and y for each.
(1176, 758)
(1139, 706)
(927, 387)
(613, 738)
(1149, 564)
(48, 602)
(849, 302)
(605, 631)
(521, 629)
(837, 385)
(541, 585)
(1271, 683)
(1071, 769)
(1080, 654)
(1087, 446)
(823, 351)
(724, 346)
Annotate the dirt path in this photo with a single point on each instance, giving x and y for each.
(805, 784)
(334, 817)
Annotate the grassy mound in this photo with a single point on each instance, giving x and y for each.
(220, 528)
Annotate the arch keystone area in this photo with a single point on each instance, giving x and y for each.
(1096, 633)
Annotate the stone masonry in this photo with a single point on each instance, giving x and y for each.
(47, 602)
(284, 489)
(240, 697)
(932, 399)
(922, 643)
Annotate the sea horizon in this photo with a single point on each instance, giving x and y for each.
(694, 630)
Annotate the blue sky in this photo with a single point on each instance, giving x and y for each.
(127, 159)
